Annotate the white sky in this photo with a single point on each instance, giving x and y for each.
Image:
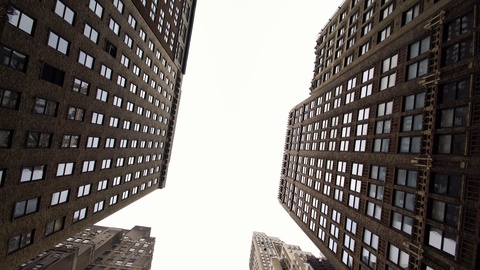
(250, 62)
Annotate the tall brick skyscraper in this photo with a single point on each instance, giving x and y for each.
(89, 95)
(381, 166)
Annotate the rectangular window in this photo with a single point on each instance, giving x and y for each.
(5, 138)
(93, 142)
(458, 52)
(26, 207)
(52, 74)
(378, 172)
(65, 12)
(113, 122)
(384, 33)
(38, 139)
(58, 43)
(102, 95)
(32, 173)
(97, 207)
(442, 240)
(459, 26)
(109, 143)
(128, 40)
(142, 35)
(70, 141)
(9, 99)
(97, 118)
(125, 61)
(139, 52)
(64, 169)
(88, 166)
(47, 107)
(382, 127)
(406, 178)
(455, 91)
(404, 200)
(79, 214)
(59, 197)
(415, 101)
(117, 101)
(380, 145)
(410, 144)
(54, 226)
(398, 257)
(119, 5)
(103, 184)
(20, 241)
(86, 59)
(20, 20)
(106, 72)
(412, 122)
(132, 21)
(113, 200)
(411, 13)
(374, 210)
(417, 69)
(96, 8)
(388, 81)
(402, 222)
(451, 144)
(447, 185)
(90, 33)
(114, 26)
(419, 48)
(80, 86)
(13, 59)
(84, 190)
(75, 113)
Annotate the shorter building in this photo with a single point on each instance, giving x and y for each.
(98, 248)
(271, 253)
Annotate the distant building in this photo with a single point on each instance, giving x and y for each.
(271, 253)
(381, 165)
(89, 98)
(98, 248)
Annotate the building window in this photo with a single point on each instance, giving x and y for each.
(411, 13)
(406, 178)
(106, 72)
(447, 185)
(412, 122)
(97, 118)
(117, 101)
(139, 52)
(65, 12)
(382, 127)
(125, 61)
(5, 138)
(442, 240)
(20, 20)
(375, 191)
(96, 8)
(54, 226)
(444, 212)
(419, 48)
(415, 101)
(88, 166)
(451, 144)
(410, 144)
(387, 11)
(109, 143)
(70, 141)
(142, 35)
(119, 5)
(114, 26)
(52, 74)
(455, 91)
(136, 70)
(97, 207)
(369, 258)
(9, 99)
(84, 190)
(47, 107)
(384, 33)
(59, 197)
(113, 200)
(458, 52)
(65, 169)
(103, 184)
(20, 241)
(79, 214)
(404, 200)
(460, 25)
(38, 139)
(75, 113)
(125, 194)
(364, 48)
(113, 122)
(80, 86)
(132, 21)
(402, 222)
(128, 40)
(93, 142)
(58, 43)
(90, 33)
(32, 173)
(417, 69)
(398, 257)
(102, 95)
(86, 59)
(26, 207)
(13, 59)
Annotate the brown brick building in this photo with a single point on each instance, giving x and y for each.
(98, 247)
(381, 161)
(89, 95)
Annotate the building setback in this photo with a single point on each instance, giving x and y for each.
(98, 247)
(271, 253)
(89, 95)
(381, 165)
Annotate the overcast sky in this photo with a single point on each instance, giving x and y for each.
(250, 62)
